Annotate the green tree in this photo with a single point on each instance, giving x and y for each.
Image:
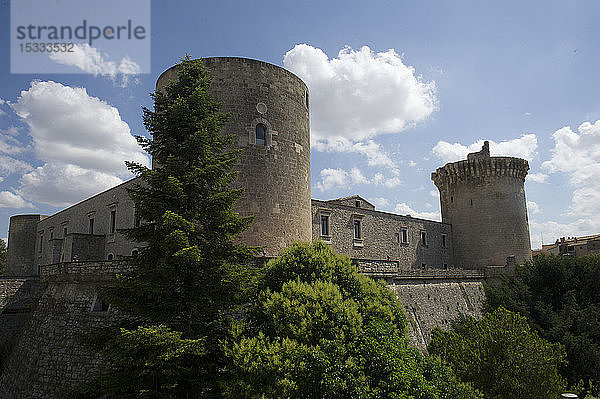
(3, 252)
(319, 329)
(559, 296)
(501, 356)
(190, 275)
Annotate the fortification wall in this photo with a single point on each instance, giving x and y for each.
(18, 297)
(430, 303)
(275, 174)
(49, 356)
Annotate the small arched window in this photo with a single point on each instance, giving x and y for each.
(261, 133)
(110, 257)
(134, 253)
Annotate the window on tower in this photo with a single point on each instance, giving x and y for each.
(261, 133)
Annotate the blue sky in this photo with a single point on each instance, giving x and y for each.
(397, 89)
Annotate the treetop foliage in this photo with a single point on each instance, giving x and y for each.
(560, 298)
(501, 356)
(319, 329)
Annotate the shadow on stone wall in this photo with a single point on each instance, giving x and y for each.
(18, 298)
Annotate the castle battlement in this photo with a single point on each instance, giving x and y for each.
(480, 165)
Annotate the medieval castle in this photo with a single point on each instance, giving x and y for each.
(436, 268)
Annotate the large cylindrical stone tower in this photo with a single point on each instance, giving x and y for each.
(483, 198)
(269, 118)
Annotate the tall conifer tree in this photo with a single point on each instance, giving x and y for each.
(190, 274)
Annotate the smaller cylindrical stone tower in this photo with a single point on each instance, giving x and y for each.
(483, 198)
(22, 238)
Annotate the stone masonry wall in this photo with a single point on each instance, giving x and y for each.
(430, 304)
(49, 357)
(18, 298)
(76, 219)
(379, 236)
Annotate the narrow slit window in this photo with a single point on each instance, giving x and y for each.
(261, 133)
(404, 235)
(443, 240)
(424, 238)
(91, 226)
(325, 225)
(357, 230)
(113, 222)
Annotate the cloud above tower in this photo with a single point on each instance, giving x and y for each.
(81, 141)
(360, 94)
(522, 147)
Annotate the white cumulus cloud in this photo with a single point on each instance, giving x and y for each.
(523, 147)
(12, 200)
(88, 59)
(380, 202)
(376, 156)
(405, 209)
(578, 155)
(533, 208)
(81, 140)
(360, 94)
(537, 177)
(332, 178)
(9, 166)
(338, 177)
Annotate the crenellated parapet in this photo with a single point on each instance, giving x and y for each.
(477, 167)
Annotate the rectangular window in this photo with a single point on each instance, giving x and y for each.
(64, 231)
(443, 240)
(325, 225)
(91, 226)
(404, 235)
(113, 222)
(41, 241)
(424, 238)
(51, 234)
(357, 230)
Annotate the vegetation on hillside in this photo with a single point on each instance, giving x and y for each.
(316, 328)
(501, 356)
(560, 298)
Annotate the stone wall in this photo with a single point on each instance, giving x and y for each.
(380, 234)
(18, 298)
(50, 357)
(430, 303)
(56, 359)
(55, 247)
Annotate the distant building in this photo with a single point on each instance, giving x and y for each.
(571, 246)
